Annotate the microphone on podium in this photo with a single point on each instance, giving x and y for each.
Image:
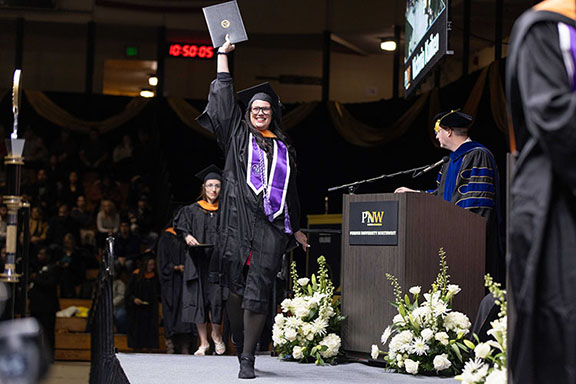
(445, 159)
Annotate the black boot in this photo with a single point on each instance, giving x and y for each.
(246, 367)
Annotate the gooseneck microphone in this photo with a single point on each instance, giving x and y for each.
(445, 159)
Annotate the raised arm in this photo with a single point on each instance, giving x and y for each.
(222, 114)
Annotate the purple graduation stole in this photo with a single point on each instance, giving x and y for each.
(275, 187)
(567, 37)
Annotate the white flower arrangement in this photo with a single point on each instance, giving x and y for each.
(307, 329)
(426, 336)
(489, 363)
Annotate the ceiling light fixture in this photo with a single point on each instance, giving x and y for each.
(147, 93)
(153, 81)
(388, 45)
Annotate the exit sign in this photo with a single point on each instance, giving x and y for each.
(131, 51)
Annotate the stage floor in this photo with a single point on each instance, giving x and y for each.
(176, 369)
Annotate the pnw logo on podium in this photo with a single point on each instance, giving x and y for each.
(373, 223)
(372, 219)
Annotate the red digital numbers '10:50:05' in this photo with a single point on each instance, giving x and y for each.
(191, 51)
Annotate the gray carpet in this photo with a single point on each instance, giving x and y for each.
(176, 369)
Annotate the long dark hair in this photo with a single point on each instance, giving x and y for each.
(274, 128)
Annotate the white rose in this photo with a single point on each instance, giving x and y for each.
(427, 334)
(303, 281)
(297, 353)
(375, 352)
(286, 305)
(482, 350)
(441, 362)
(386, 335)
(279, 319)
(411, 366)
(414, 290)
(442, 337)
(290, 334)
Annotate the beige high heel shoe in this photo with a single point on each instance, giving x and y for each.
(201, 351)
(219, 347)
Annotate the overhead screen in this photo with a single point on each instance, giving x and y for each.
(426, 39)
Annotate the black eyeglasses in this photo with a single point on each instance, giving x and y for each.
(257, 110)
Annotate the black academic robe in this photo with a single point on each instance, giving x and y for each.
(171, 252)
(475, 186)
(244, 229)
(143, 329)
(542, 260)
(201, 298)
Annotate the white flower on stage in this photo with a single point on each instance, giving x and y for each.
(442, 337)
(333, 342)
(375, 352)
(457, 322)
(303, 281)
(286, 305)
(474, 371)
(453, 290)
(290, 334)
(386, 335)
(279, 319)
(441, 362)
(401, 342)
(482, 350)
(415, 290)
(293, 322)
(399, 320)
(297, 352)
(497, 376)
(326, 312)
(441, 308)
(419, 346)
(277, 335)
(411, 366)
(319, 326)
(427, 334)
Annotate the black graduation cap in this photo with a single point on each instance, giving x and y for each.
(211, 172)
(453, 119)
(224, 19)
(247, 94)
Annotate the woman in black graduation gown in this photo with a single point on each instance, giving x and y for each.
(202, 299)
(259, 203)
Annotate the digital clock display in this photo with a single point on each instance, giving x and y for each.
(194, 51)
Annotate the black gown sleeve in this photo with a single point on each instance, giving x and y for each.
(222, 114)
(550, 102)
(183, 221)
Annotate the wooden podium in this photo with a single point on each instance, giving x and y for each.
(425, 223)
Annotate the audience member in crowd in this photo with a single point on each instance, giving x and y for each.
(59, 226)
(172, 253)
(142, 306)
(70, 189)
(73, 267)
(38, 228)
(42, 191)
(43, 294)
(142, 221)
(107, 221)
(55, 172)
(126, 247)
(119, 300)
(93, 153)
(35, 151)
